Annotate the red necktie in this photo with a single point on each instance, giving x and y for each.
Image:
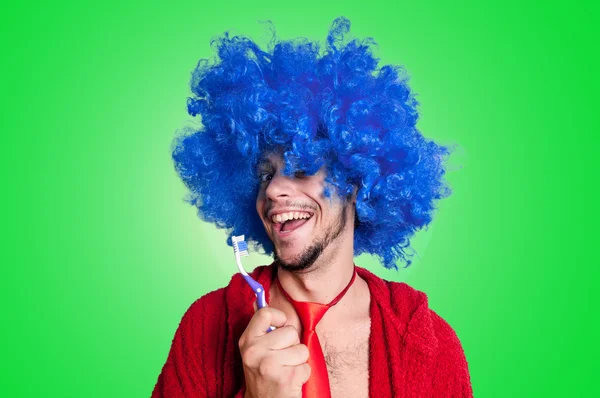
(310, 314)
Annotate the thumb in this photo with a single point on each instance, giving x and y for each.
(255, 305)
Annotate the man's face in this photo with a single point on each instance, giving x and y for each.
(300, 221)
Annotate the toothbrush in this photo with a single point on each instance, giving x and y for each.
(240, 248)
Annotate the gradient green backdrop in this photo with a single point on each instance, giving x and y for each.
(101, 256)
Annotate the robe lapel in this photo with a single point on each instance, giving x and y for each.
(401, 342)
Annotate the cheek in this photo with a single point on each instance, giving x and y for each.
(260, 205)
(332, 212)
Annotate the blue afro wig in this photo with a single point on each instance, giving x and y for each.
(337, 110)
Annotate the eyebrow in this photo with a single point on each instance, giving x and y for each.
(264, 165)
(265, 160)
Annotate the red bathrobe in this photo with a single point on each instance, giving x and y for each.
(413, 352)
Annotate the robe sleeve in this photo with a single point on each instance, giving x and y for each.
(451, 371)
(183, 373)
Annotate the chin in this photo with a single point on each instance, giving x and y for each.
(299, 259)
(289, 255)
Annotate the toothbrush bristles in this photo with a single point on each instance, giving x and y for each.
(240, 246)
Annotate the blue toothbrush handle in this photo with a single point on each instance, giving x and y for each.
(259, 291)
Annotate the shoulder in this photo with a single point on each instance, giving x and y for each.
(451, 371)
(445, 334)
(434, 336)
(199, 308)
(423, 324)
(392, 294)
(200, 318)
(401, 304)
(402, 294)
(409, 311)
(214, 302)
(226, 304)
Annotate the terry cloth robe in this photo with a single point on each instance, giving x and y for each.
(413, 352)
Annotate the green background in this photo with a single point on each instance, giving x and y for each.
(101, 256)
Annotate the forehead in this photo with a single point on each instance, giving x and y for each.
(271, 158)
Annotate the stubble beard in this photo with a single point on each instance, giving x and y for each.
(307, 258)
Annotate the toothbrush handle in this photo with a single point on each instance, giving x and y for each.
(259, 291)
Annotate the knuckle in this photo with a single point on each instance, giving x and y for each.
(303, 348)
(292, 328)
(263, 314)
(297, 373)
(281, 383)
(302, 352)
(250, 354)
(303, 371)
(266, 368)
(293, 334)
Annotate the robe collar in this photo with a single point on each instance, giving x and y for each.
(404, 307)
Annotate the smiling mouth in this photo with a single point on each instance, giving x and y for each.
(285, 227)
(291, 225)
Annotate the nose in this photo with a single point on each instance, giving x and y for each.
(279, 186)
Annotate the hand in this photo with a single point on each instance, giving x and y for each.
(275, 362)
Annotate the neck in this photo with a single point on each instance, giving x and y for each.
(326, 278)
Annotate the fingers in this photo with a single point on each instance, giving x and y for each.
(281, 338)
(275, 362)
(291, 356)
(262, 319)
(301, 374)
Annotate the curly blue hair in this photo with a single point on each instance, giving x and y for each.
(337, 110)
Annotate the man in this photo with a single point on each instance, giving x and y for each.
(315, 159)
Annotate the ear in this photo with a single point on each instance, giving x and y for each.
(352, 200)
(352, 196)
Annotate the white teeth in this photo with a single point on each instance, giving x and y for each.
(294, 215)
